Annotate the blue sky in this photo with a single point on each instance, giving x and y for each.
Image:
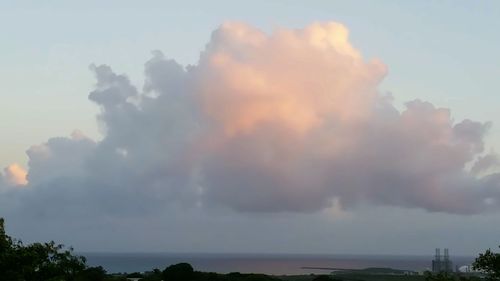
(444, 52)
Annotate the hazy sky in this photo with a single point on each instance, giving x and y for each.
(284, 135)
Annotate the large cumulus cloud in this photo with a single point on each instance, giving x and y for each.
(288, 121)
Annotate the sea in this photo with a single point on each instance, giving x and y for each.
(274, 264)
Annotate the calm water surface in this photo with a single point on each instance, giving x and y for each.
(268, 264)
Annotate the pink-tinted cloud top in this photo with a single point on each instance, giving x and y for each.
(288, 121)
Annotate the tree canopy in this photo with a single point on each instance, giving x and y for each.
(42, 261)
(489, 263)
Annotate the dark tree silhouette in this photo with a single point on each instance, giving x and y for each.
(489, 263)
(37, 261)
(179, 272)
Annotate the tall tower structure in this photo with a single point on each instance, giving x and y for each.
(443, 264)
(447, 262)
(436, 263)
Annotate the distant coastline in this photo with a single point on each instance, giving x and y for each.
(274, 264)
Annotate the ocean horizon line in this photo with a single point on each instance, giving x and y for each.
(273, 254)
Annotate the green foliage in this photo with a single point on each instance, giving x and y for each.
(92, 273)
(185, 272)
(5, 241)
(134, 275)
(116, 278)
(179, 272)
(322, 278)
(39, 261)
(489, 263)
(442, 276)
(155, 275)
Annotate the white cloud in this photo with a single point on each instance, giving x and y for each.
(288, 121)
